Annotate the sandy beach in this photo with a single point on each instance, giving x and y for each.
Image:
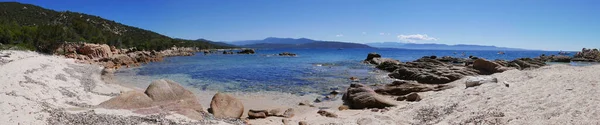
(46, 89)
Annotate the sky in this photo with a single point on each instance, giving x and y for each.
(530, 24)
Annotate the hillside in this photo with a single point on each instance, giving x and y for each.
(41, 29)
(432, 46)
(273, 42)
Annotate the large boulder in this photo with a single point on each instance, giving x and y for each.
(123, 60)
(488, 67)
(128, 100)
(359, 96)
(167, 90)
(371, 56)
(375, 59)
(226, 106)
(162, 96)
(96, 50)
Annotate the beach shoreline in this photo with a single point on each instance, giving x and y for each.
(50, 89)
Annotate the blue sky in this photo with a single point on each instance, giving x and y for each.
(532, 24)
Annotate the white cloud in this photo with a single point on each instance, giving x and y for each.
(364, 33)
(415, 37)
(381, 33)
(339, 35)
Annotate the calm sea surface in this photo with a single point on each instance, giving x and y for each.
(312, 71)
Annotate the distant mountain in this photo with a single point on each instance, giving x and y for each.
(433, 46)
(273, 42)
(42, 29)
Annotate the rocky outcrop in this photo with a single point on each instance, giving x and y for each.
(226, 106)
(161, 96)
(588, 54)
(375, 59)
(526, 63)
(430, 71)
(400, 88)
(359, 96)
(95, 51)
(488, 67)
(246, 51)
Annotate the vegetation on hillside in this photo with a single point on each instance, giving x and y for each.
(41, 29)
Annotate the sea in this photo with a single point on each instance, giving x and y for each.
(316, 71)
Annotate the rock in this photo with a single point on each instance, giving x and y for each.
(246, 51)
(167, 90)
(413, 97)
(180, 101)
(526, 63)
(488, 67)
(255, 114)
(275, 112)
(401, 98)
(588, 54)
(343, 107)
(306, 103)
(375, 59)
(400, 88)
(122, 60)
(287, 54)
(94, 51)
(227, 52)
(354, 79)
(226, 106)
(302, 123)
(289, 113)
(371, 56)
(334, 92)
(476, 81)
(128, 100)
(327, 113)
(430, 71)
(317, 100)
(359, 96)
(285, 121)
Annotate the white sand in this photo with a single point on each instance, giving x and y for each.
(32, 86)
(551, 95)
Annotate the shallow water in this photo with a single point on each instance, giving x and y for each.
(312, 71)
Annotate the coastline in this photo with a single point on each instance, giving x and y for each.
(50, 89)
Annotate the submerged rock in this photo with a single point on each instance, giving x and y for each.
(287, 54)
(359, 96)
(226, 106)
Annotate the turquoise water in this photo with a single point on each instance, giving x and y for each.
(312, 71)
